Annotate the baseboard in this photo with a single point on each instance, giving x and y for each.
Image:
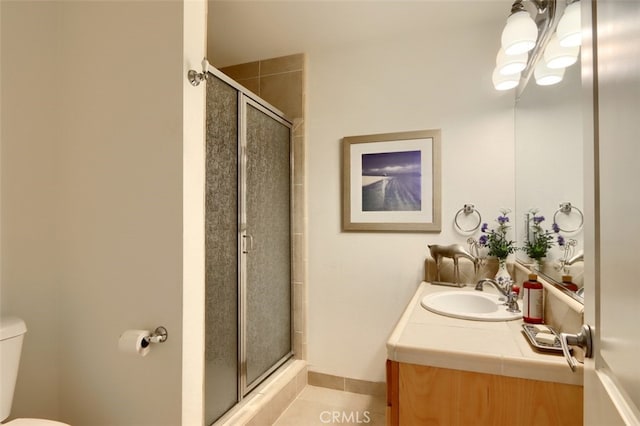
(347, 384)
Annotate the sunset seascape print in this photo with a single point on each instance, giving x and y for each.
(391, 181)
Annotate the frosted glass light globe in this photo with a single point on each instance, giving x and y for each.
(570, 26)
(519, 34)
(511, 64)
(556, 56)
(504, 82)
(546, 76)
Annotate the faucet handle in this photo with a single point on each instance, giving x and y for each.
(516, 289)
(512, 302)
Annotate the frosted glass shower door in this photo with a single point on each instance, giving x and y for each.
(247, 244)
(221, 250)
(267, 243)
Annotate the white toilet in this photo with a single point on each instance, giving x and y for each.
(12, 332)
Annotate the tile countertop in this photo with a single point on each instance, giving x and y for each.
(425, 338)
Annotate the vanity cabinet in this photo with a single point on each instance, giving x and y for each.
(424, 395)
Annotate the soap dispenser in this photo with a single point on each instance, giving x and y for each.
(532, 309)
(568, 284)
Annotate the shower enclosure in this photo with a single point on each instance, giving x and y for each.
(248, 243)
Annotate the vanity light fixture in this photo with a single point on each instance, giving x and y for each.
(546, 76)
(557, 56)
(511, 64)
(505, 82)
(521, 32)
(551, 34)
(569, 28)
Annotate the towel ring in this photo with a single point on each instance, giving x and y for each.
(467, 210)
(566, 208)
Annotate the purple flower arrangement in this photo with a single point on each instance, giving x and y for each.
(542, 240)
(496, 239)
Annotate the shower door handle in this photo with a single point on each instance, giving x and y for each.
(247, 240)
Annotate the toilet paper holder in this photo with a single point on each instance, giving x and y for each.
(159, 335)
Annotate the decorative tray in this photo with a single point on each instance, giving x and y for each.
(531, 330)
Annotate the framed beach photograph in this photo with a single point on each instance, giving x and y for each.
(391, 182)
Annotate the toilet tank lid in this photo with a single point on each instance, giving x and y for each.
(11, 327)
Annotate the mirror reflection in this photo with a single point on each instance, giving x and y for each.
(549, 177)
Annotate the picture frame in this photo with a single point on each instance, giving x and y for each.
(391, 182)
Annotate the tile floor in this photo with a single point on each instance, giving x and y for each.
(316, 406)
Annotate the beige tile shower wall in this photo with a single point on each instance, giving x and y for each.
(347, 384)
(281, 82)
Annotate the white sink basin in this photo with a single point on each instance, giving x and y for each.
(472, 305)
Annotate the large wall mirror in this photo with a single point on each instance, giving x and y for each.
(549, 172)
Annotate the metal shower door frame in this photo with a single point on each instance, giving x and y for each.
(245, 240)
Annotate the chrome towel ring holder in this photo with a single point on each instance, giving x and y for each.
(567, 209)
(467, 210)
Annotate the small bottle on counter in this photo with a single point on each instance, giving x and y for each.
(570, 285)
(532, 309)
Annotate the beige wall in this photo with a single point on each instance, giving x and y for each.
(359, 283)
(121, 209)
(92, 204)
(30, 133)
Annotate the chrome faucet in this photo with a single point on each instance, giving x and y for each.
(510, 295)
(503, 290)
(577, 258)
(566, 261)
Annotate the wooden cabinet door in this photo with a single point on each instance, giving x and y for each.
(439, 396)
